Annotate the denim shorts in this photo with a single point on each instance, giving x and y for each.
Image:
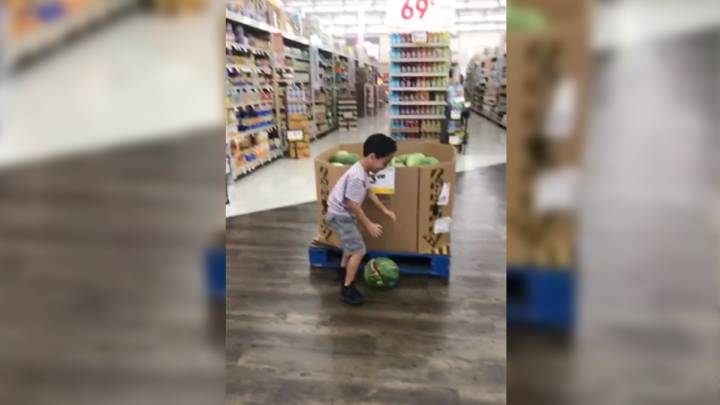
(347, 231)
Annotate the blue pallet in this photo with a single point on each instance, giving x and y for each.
(413, 264)
(541, 297)
(214, 269)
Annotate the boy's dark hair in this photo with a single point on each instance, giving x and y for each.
(379, 144)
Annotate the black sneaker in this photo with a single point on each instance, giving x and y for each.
(351, 295)
(340, 273)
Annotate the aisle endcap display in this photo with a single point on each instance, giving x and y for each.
(419, 79)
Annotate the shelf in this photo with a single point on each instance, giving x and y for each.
(415, 130)
(253, 86)
(417, 117)
(296, 38)
(418, 88)
(242, 105)
(421, 74)
(443, 103)
(428, 59)
(247, 169)
(247, 69)
(258, 25)
(238, 46)
(423, 45)
(304, 59)
(236, 135)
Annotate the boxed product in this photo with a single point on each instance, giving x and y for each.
(422, 199)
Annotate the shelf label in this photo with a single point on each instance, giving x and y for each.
(557, 190)
(295, 135)
(383, 182)
(442, 225)
(444, 198)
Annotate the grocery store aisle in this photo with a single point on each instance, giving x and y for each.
(290, 340)
(289, 182)
(142, 78)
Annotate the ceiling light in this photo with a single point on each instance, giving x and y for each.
(480, 27)
(476, 4)
(481, 18)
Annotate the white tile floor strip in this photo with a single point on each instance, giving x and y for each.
(140, 79)
(289, 182)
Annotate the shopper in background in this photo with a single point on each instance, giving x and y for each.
(345, 209)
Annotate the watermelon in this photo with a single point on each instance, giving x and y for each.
(431, 161)
(381, 273)
(344, 157)
(402, 158)
(338, 164)
(416, 159)
(397, 162)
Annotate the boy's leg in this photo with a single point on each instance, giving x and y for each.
(345, 258)
(352, 267)
(343, 266)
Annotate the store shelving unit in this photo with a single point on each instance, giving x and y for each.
(323, 92)
(347, 110)
(420, 66)
(251, 123)
(295, 78)
(487, 86)
(263, 62)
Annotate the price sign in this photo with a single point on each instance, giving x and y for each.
(419, 14)
(295, 135)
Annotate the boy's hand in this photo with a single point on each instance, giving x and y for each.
(374, 230)
(390, 215)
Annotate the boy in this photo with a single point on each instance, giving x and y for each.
(345, 211)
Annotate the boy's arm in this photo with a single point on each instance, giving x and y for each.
(374, 229)
(375, 200)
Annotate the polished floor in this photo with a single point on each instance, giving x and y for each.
(290, 340)
(261, 190)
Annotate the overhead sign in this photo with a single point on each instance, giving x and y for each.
(425, 15)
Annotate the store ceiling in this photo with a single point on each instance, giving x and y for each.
(345, 17)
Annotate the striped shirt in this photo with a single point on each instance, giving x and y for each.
(352, 186)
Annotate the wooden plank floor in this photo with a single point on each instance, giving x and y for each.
(101, 292)
(290, 340)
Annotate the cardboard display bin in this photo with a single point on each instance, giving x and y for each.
(417, 200)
